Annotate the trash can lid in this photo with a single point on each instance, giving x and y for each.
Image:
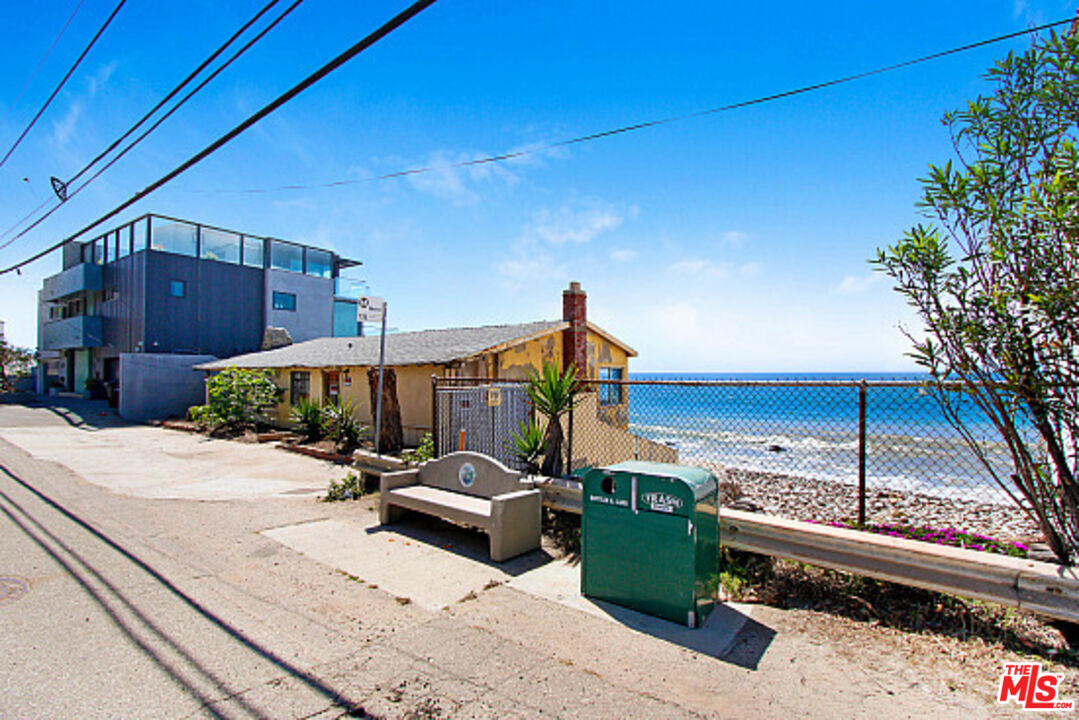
(701, 480)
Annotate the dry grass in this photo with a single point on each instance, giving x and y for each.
(975, 637)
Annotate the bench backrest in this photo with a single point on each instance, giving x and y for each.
(470, 473)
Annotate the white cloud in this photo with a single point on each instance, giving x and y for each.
(548, 244)
(448, 180)
(700, 268)
(856, 284)
(64, 128)
(531, 268)
(1021, 9)
(570, 224)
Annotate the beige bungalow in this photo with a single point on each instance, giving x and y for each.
(326, 369)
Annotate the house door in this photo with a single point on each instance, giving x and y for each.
(332, 383)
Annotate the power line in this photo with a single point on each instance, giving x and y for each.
(397, 21)
(511, 155)
(202, 66)
(47, 53)
(64, 80)
(61, 187)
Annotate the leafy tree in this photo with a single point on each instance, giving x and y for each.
(13, 361)
(553, 394)
(995, 278)
(236, 398)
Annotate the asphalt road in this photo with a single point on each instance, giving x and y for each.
(130, 590)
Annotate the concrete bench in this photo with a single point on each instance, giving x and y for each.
(470, 489)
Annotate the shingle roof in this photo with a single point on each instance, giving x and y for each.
(411, 348)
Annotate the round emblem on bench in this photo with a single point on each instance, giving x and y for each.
(467, 475)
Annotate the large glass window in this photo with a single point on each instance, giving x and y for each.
(123, 247)
(284, 301)
(318, 263)
(173, 237)
(610, 394)
(285, 256)
(344, 319)
(299, 386)
(139, 232)
(99, 251)
(220, 245)
(253, 248)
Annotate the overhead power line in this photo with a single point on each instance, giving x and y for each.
(62, 81)
(48, 52)
(397, 21)
(61, 187)
(513, 154)
(172, 93)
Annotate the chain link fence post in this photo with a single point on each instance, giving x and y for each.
(434, 415)
(861, 451)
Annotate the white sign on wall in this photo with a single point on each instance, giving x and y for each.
(369, 309)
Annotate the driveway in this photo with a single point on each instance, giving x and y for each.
(151, 462)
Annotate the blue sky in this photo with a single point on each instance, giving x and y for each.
(734, 242)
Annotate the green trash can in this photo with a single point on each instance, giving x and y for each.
(650, 539)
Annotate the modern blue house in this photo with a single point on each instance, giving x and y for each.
(167, 287)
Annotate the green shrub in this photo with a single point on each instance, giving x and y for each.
(310, 418)
(528, 445)
(350, 487)
(236, 398)
(425, 452)
(342, 425)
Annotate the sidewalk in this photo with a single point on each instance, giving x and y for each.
(318, 610)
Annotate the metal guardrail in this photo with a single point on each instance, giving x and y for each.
(1040, 587)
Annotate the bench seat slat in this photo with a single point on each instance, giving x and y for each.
(454, 506)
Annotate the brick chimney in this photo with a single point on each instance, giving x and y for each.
(575, 337)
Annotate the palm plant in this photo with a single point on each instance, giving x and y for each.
(528, 445)
(310, 418)
(342, 426)
(553, 394)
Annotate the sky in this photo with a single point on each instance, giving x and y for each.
(734, 242)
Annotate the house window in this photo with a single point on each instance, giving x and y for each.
(299, 386)
(284, 301)
(177, 288)
(610, 394)
(286, 256)
(318, 263)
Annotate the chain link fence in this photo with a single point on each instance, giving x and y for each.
(828, 450)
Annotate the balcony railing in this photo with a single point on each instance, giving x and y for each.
(80, 278)
(77, 332)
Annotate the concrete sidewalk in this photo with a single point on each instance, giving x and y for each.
(171, 577)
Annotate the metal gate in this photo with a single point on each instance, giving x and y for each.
(481, 418)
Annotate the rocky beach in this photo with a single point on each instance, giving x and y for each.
(801, 498)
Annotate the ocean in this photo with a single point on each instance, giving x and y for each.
(812, 431)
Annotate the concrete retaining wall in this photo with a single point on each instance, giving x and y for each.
(154, 387)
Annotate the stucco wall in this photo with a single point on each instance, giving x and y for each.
(413, 393)
(157, 386)
(514, 364)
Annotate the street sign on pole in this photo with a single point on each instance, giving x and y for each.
(381, 366)
(370, 309)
